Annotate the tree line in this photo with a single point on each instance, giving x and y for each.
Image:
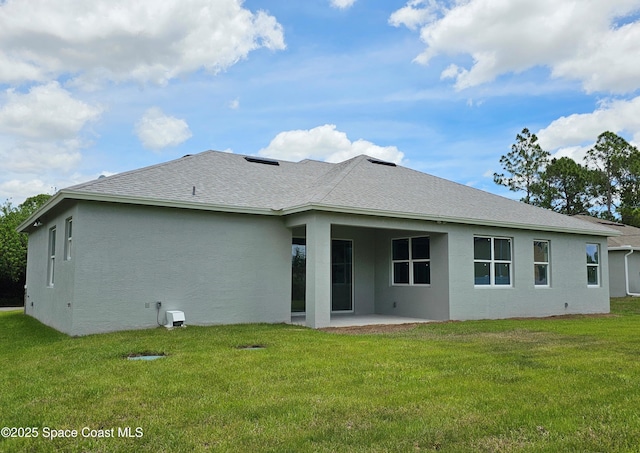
(13, 247)
(606, 184)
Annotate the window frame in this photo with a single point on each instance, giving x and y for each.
(493, 262)
(68, 235)
(411, 261)
(546, 263)
(595, 265)
(51, 262)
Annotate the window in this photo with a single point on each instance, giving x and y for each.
(492, 261)
(593, 265)
(298, 274)
(52, 256)
(411, 262)
(541, 263)
(68, 235)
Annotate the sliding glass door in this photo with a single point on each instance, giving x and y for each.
(341, 275)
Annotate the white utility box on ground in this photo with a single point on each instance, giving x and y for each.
(175, 318)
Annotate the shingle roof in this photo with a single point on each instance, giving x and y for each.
(356, 185)
(629, 237)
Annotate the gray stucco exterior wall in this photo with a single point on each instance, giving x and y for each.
(617, 272)
(634, 272)
(52, 305)
(222, 268)
(217, 268)
(568, 277)
(426, 302)
(452, 293)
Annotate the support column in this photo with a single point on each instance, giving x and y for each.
(318, 282)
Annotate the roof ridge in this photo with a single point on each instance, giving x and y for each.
(100, 180)
(325, 190)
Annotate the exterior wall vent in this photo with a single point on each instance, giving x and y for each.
(261, 160)
(382, 162)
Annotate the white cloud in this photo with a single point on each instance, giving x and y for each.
(342, 4)
(46, 112)
(40, 134)
(17, 190)
(157, 130)
(415, 14)
(40, 157)
(117, 40)
(576, 39)
(234, 104)
(325, 143)
(617, 116)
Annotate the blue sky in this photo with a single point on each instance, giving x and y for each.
(101, 87)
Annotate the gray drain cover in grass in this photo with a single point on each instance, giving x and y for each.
(252, 347)
(145, 357)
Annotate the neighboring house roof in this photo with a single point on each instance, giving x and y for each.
(629, 237)
(220, 181)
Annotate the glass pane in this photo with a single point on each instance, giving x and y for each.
(482, 274)
(341, 286)
(592, 275)
(421, 273)
(52, 238)
(298, 275)
(592, 254)
(401, 273)
(482, 248)
(541, 251)
(503, 276)
(69, 229)
(420, 248)
(502, 249)
(338, 252)
(400, 249)
(540, 274)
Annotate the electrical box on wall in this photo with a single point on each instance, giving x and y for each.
(175, 318)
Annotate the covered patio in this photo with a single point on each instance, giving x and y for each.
(356, 271)
(351, 320)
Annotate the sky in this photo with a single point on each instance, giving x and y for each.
(443, 87)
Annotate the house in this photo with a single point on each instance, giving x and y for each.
(213, 235)
(624, 257)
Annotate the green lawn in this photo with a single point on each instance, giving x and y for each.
(552, 385)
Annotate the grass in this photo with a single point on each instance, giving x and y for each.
(548, 385)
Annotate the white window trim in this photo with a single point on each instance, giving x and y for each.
(596, 265)
(547, 263)
(68, 232)
(492, 262)
(52, 257)
(410, 261)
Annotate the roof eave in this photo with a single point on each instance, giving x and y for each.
(444, 219)
(93, 196)
(50, 203)
(127, 199)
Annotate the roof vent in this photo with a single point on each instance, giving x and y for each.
(382, 162)
(261, 160)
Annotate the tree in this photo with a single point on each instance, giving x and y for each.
(13, 245)
(565, 187)
(610, 157)
(629, 208)
(524, 164)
